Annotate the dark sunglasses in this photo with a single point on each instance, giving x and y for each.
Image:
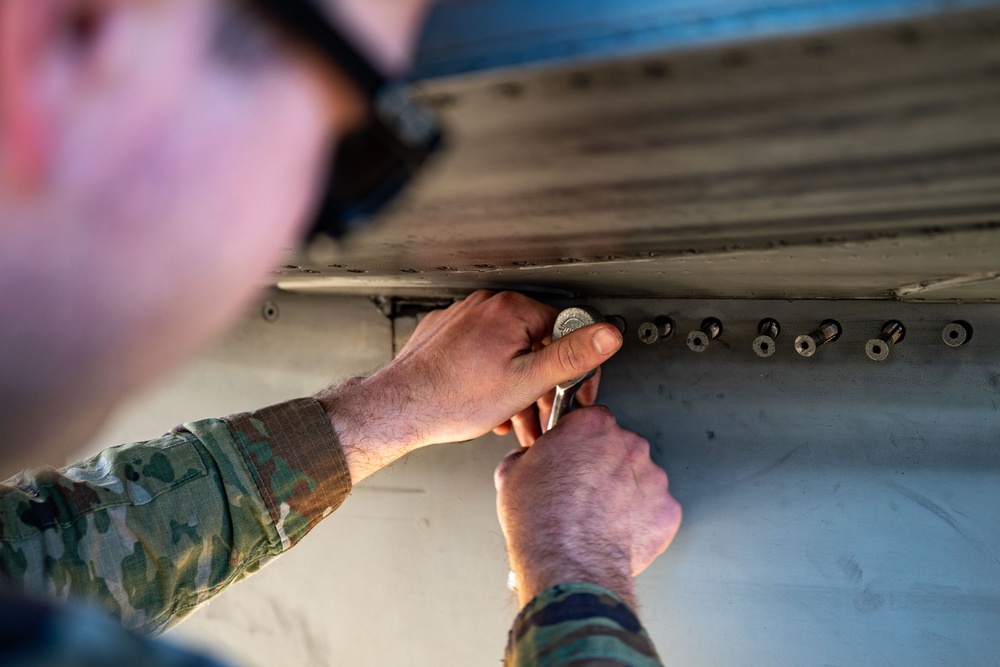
(372, 165)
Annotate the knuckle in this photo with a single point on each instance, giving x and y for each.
(598, 417)
(504, 469)
(671, 516)
(639, 446)
(660, 478)
(480, 295)
(506, 300)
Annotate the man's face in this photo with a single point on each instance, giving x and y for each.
(158, 158)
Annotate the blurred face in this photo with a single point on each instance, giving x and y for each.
(157, 158)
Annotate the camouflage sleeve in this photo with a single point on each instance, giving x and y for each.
(579, 625)
(37, 634)
(151, 530)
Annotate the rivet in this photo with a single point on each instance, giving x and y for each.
(270, 312)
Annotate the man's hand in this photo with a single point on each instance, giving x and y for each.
(585, 503)
(466, 370)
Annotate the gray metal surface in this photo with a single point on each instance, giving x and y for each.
(857, 164)
(838, 511)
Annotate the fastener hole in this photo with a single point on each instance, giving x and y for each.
(765, 347)
(953, 334)
(803, 346)
(877, 349)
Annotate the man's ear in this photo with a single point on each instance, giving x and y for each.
(32, 34)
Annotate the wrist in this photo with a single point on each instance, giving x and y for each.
(537, 574)
(371, 426)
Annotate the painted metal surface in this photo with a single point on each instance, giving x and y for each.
(855, 164)
(469, 36)
(838, 511)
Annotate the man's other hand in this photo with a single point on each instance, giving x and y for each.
(584, 503)
(467, 370)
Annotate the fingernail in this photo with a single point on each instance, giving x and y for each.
(606, 341)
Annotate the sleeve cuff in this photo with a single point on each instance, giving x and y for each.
(579, 623)
(296, 461)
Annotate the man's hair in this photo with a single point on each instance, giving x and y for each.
(243, 37)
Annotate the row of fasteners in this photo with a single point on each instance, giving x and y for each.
(955, 334)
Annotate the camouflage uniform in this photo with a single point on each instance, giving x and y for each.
(151, 530)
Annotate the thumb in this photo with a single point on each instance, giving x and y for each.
(573, 355)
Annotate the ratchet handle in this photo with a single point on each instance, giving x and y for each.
(568, 321)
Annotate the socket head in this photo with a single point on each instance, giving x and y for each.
(764, 346)
(575, 318)
(649, 333)
(956, 334)
(877, 349)
(698, 341)
(805, 345)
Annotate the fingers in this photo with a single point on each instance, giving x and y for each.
(436, 320)
(527, 426)
(571, 356)
(587, 394)
(503, 429)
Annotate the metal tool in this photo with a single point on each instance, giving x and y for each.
(956, 334)
(892, 333)
(659, 329)
(766, 343)
(711, 329)
(807, 344)
(568, 321)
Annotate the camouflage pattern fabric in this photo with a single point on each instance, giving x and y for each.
(151, 530)
(579, 625)
(35, 634)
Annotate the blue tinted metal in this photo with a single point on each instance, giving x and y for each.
(470, 36)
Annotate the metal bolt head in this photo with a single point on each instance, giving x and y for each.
(956, 334)
(698, 341)
(649, 333)
(877, 349)
(764, 346)
(828, 331)
(270, 312)
(659, 329)
(805, 345)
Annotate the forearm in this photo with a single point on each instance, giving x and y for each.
(151, 530)
(547, 567)
(372, 422)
